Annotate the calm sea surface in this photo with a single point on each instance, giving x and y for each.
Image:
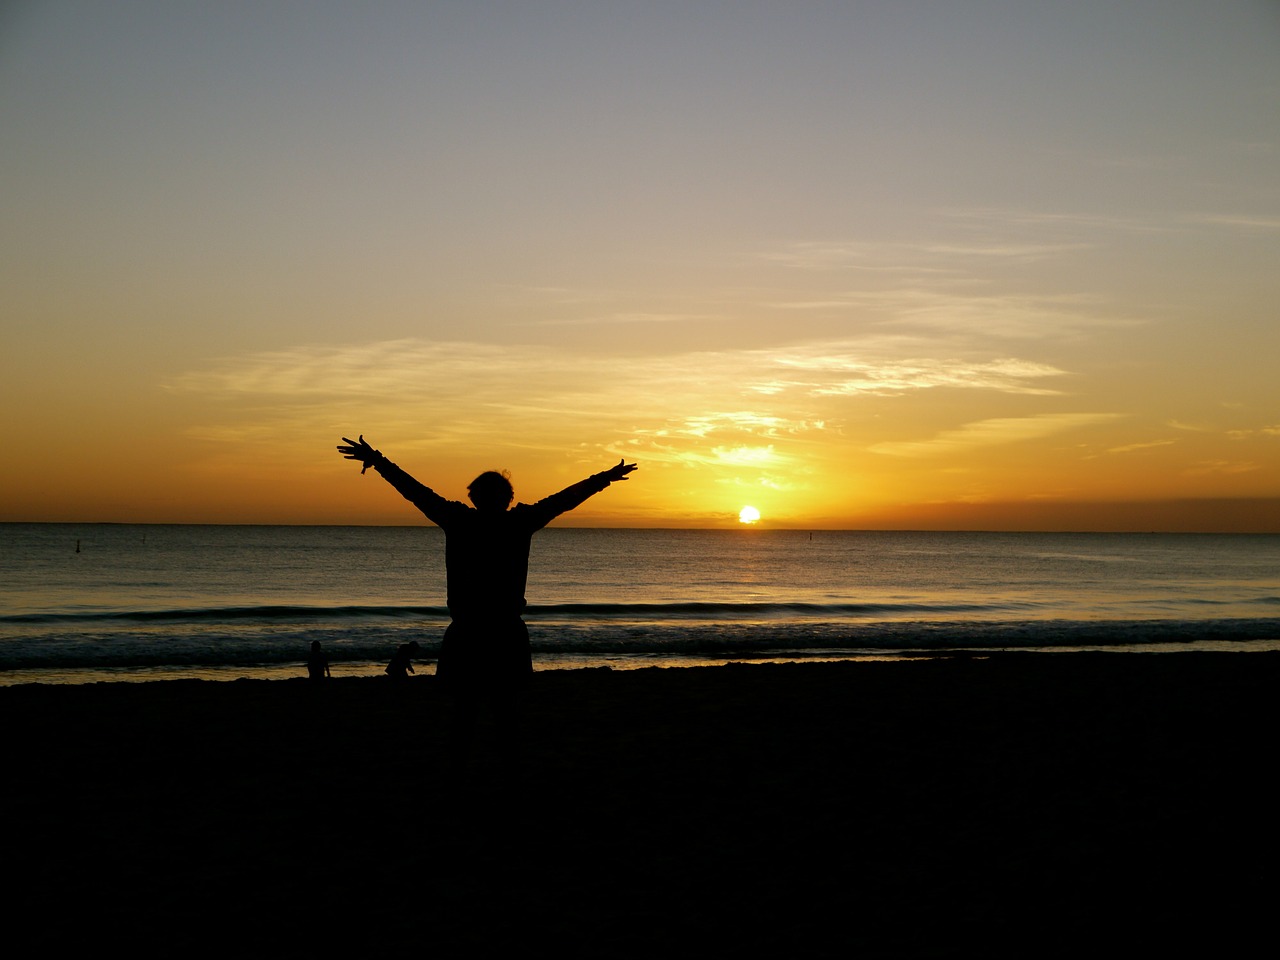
(88, 602)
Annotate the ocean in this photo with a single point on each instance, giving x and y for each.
(87, 602)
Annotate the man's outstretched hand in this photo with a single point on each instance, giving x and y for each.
(619, 472)
(359, 450)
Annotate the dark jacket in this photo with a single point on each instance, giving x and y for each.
(487, 552)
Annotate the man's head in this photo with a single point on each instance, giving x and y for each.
(491, 491)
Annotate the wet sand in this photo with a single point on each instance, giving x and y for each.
(1021, 804)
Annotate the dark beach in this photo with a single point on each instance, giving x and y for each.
(1019, 804)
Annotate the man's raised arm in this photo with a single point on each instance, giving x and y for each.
(580, 492)
(420, 495)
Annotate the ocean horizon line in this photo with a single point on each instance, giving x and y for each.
(760, 527)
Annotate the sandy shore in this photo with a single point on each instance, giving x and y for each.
(1027, 805)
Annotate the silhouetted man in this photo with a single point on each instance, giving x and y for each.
(485, 652)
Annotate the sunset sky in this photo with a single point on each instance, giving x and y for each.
(978, 264)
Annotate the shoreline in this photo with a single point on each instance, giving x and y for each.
(1017, 804)
(543, 662)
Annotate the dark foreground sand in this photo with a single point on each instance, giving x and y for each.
(1021, 805)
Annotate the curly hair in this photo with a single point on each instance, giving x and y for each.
(492, 487)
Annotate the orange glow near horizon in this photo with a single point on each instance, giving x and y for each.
(300, 486)
(254, 442)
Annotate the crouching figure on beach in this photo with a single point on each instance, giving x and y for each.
(485, 653)
(401, 664)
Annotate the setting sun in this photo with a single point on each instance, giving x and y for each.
(748, 515)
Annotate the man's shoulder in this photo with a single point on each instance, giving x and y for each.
(453, 509)
(532, 516)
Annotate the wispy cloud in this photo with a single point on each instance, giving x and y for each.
(741, 420)
(393, 368)
(962, 306)
(1002, 251)
(849, 376)
(1072, 226)
(1137, 447)
(417, 370)
(994, 432)
(1251, 224)
(941, 258)
(618, 319)
(735, 410)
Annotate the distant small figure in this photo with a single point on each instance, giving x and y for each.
(401, 664)
(317, 663)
